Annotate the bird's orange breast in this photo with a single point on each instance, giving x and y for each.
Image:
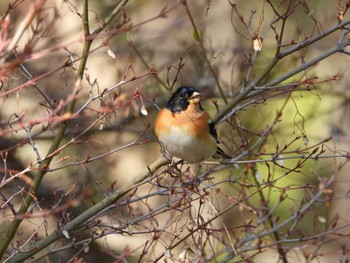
(186, 134)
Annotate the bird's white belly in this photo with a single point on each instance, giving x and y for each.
(193, 150)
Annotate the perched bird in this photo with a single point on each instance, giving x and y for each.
(185, 128)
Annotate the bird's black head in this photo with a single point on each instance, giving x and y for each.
(180, 99)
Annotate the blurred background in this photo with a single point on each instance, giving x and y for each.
(157, 46)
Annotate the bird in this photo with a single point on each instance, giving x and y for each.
(185, 129)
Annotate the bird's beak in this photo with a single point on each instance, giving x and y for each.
(195, 98)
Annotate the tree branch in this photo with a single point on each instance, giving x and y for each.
(91, 212)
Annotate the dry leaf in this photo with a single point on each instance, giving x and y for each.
(111, 53)
(144, 110)
(257, 44)
(66, 234)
